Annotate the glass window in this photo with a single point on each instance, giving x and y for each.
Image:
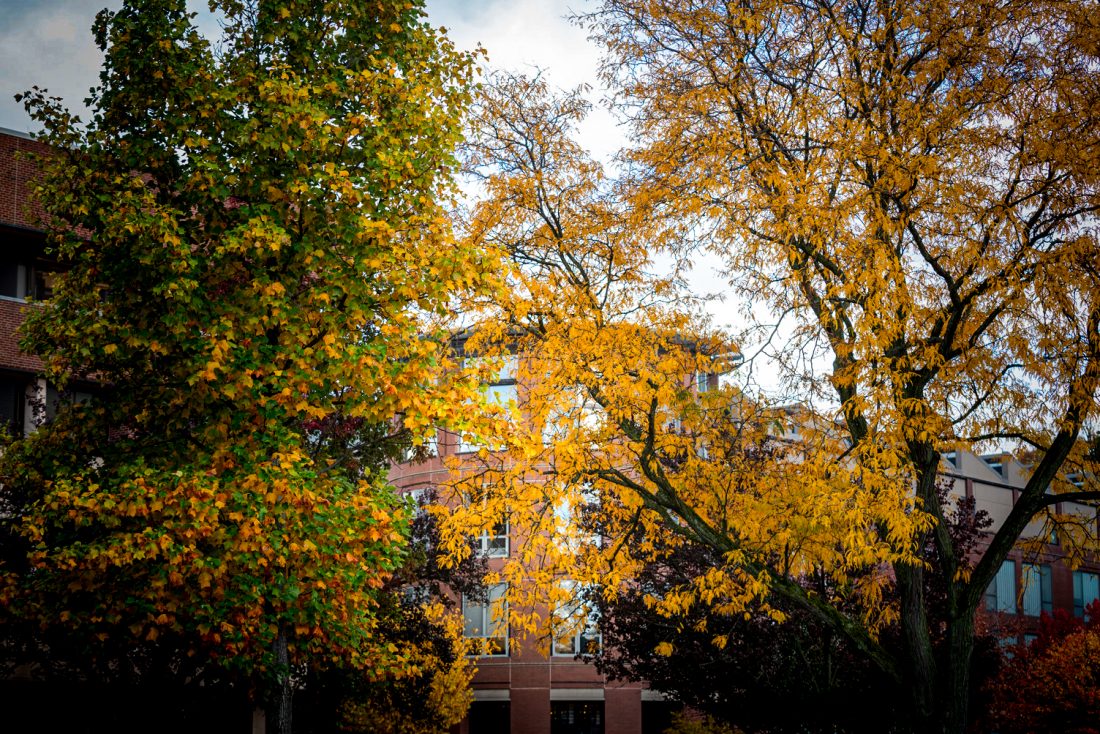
(15, 280)
(426, 450)
(995, 463)
(575, 623)
(494, 543)
(490, 717)
(57, 401)
(13, 403)
(486, 619)
(1000, 596)
(501, 391)
(1035, 579)
(1086, 590)
(569, 512)
(576, 411)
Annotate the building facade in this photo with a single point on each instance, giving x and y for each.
(24, 276)
(1036, 577)
(525, 685)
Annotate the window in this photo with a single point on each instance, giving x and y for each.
(494, 543)
(501, 391)
(702, 382)
(952, 459)
(995, 463)
(1086, 590)
(575, 623)
(428, 448)
(1035, 579)
(1001, 594)
(416, 594)
(13, 403)
(16, 280)
(570, 515)
(22, 280)
(486, 619)
(56, 401)
(419, 497)
(490, 717)
(577, 411)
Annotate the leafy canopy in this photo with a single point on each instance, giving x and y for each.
(256, 271)
(912, 186)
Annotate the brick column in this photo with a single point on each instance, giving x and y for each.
(622, 711)
(530, 710)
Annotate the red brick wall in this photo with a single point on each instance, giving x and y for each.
(530, 711)
(11, 316)
(622, 710)
(16, 175)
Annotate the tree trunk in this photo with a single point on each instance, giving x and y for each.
(918, 646)
(284, 701)
(960, 648)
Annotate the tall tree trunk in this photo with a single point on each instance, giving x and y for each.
(285, 699)
(960, 648)
(918, 646)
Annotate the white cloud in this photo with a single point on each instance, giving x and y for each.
(525, 35)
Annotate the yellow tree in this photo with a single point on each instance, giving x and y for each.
(915, 184)
(612, 425)
(256, 269)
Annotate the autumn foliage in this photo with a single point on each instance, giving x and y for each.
(1053, 682)
(907, 192)
(256, 269)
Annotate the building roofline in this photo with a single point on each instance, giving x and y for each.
(16, 133)
(21, 228)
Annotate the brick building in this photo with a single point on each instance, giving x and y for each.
(1036, 578)
(536, 686)
(24, 274)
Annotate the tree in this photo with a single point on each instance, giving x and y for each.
(432, 693)
(256, 271)
(766, 677)
(797, 676)
(1053, 682)
(912, 185)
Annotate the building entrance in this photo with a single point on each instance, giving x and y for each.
(576, 717)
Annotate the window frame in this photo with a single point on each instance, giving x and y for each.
(496, 600)
(1080, 603)
(496, 543)
(504, 378)
(581, 636)
(1006, 575)
(1036, 597)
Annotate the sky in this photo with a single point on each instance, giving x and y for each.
(48, 43)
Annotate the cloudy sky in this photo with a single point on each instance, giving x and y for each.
(49, 43)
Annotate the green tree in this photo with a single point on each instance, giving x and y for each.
(255, 263)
